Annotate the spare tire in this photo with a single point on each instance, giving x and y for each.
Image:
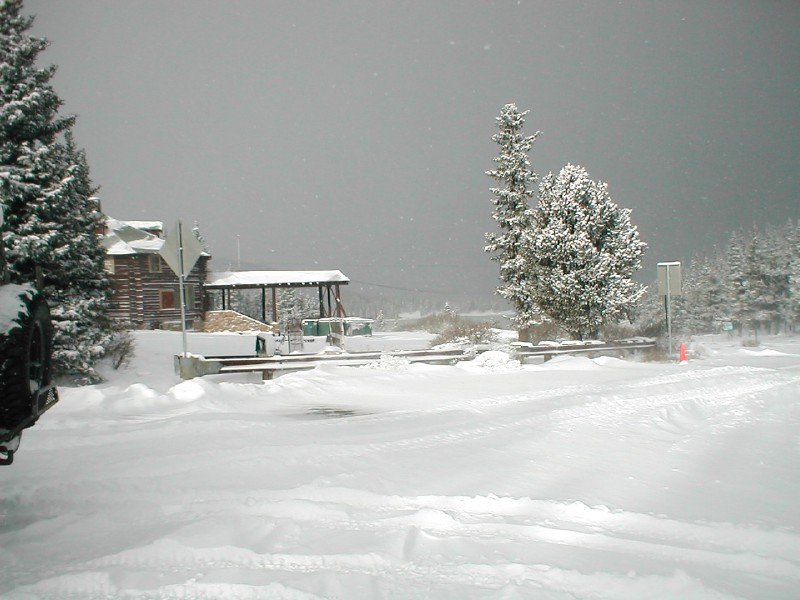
(25, 360)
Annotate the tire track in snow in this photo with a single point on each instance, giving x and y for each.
(169, 561)
(616, 406)
(409, 579)
(485, 522)
(375, 512)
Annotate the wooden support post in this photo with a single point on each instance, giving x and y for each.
(274, 305)
(339, 311)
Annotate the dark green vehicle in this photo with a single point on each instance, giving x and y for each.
(26, 345)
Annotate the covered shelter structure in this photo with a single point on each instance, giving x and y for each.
(327, 283)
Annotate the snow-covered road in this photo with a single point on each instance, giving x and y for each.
(578, 478)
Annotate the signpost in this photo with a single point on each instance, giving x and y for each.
(180, 251)
(669, 284)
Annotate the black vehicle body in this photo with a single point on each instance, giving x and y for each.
(26, 345)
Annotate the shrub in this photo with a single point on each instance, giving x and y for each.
(656, 354)
(546, 330)
(461, 331)
(619, 331)
(121, 348)
(435, 323)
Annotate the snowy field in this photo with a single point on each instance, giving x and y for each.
(576, 478)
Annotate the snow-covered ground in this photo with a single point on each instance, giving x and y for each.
(576, 478)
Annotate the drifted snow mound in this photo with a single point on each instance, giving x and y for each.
(494, 360)
(388, 362)
(761, 352)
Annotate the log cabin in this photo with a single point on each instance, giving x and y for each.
(145, 289)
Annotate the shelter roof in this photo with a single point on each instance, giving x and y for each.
(264, 279)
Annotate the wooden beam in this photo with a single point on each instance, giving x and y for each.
(340, 311)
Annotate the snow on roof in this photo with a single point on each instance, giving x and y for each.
(146, 225)
(273, 278)
(133, 237)
(125, 238)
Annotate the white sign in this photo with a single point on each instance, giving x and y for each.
(669, 278)
(669, 284)
(181, 242)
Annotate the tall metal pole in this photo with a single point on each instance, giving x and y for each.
(238, 252)
(669, 314)
(181, 277)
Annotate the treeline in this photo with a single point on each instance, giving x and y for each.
(751, 286)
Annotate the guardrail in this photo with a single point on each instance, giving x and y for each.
(548, 350)
(269, 366)
(188, 367)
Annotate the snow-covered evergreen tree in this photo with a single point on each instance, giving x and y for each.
(737, 279)
(686, 317)
(582, 251)
(51, 219)
(754, 283)
(650, 318)
(777, 259)
(705, 304)
(290, 304)
(716, 304)
(751, 303)
(74, 276)
(758, 294)
(793, 246)
(512, 211)
(29, 130)
(297, 304)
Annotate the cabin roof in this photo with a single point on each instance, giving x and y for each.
(124, 237)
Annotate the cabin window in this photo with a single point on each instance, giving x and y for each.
(189, 291)
(155, 263)
(108, 265)
(169, 298)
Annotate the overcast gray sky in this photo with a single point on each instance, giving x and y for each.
(356, 134)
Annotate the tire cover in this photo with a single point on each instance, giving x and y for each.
(25, 360)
